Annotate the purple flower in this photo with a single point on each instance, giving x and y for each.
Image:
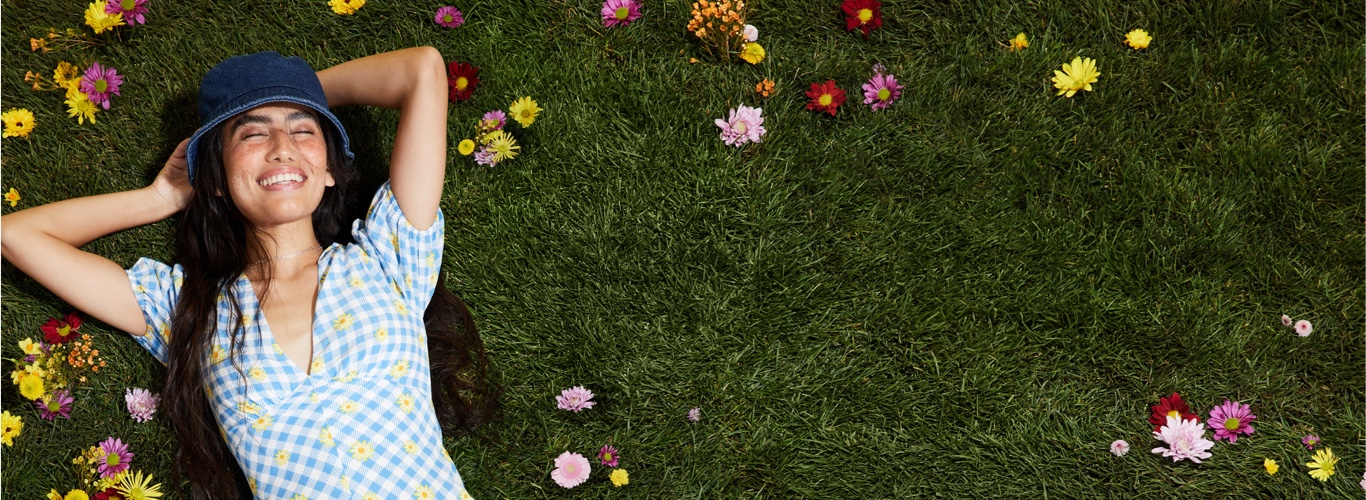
(30, 358)
(485, 156)
(620, 12)
(493, 120)
(59, 405)
(449, 17)
(99, 82)
(608, 456)
(1304, 328)
(1231, 419)
(746, 125)
(132, 10)
(141, 403)
(1309, 441)
(881, 91)
(116, 457)
(695, 414)
(575, 399)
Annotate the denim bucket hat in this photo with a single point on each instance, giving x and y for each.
(244, 82)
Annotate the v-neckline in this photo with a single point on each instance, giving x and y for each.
(268, 334)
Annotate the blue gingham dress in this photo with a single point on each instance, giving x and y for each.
(360, 423)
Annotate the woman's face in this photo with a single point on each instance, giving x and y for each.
(275, 159)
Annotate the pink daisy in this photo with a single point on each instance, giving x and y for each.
(608, 456)
(116, 457)
(1304, 328)
(1309, 441)
(746, 125)
(1231, 419)
(59, 405)
(620, 12)
(695, 414)
(881, 91)
(449, 17)
(571, 470)
(98, 82)
(141, 403)
(132, 10)
(575, 399)
(1119, 447)
(493, 120)
(1185, 440)
(485, 157)
(1285, 320)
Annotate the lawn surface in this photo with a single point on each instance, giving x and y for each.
(971, 293)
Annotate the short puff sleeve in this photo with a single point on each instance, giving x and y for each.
(409, 258)
(157, 287)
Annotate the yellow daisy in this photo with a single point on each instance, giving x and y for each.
(18, 122)
(355, 282)
(13, 425)
(410, 447)
(96, 19)
(424, 492)
(362, 450)
(1323, 464)
(350, 406)
(1019, 43)
(503, 146)
(524, 110)
(407, 403)
(135, 486)
(257, 373)
(64, 74)
(80, 108)
(382, 334)
(1079, 75)
(1138, 39)
(316, 366)
(262, 422)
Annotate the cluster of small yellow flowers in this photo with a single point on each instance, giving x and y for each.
(719, 25)
(56, 42)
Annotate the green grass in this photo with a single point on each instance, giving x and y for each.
(969, 294)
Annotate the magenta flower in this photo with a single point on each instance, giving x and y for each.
(575, 399)
(571, 470)
(881, 91)
(746, 125)
(116, 457)
(1119, 447)
(449, 17)
(1309, 441)
(59, 405)
(620, 12)
(695, 414)
(1231, 419)
(1185, 440)
(141, 403)
(608, 456)
(1304, 328)
(493, 120)
(1285, 320)
(98, 82)
(132, 10)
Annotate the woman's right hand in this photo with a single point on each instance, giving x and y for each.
(172, 185)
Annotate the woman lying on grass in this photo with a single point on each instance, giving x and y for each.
(296, 352)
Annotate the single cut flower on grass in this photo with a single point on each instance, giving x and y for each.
(1271, 466)
(346, 7)
(1324, 464)
(141, 403)
(620, 12)
(12, 425)
(881, 91)
(136, 487)
(12, 196)
(525, 110)
(575, 399)
(1138, 39)
(1231, 419)
(1119, 447)
(57, 331)
(100, 21)
(79, 107)
(1077, 76)
(449, 16)
(608, 456)
(866, 15)
(131, 10)
(1020, 42)
(1309, 441)
(18, 122)
(115, 457)
(1304, 328)
(56, 405)
(466, 147)
(461, 79)
(99, 82)
(745, 125)
(571, 470)
(620, 478)
(1185, 440)
(764, 88)
(1171, 406)
(1286, 321)
(753, 53)
(484, 157)
(503, 146)
(750, 33)
(695, 414)
(825, 97)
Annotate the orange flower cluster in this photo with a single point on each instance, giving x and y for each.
(719, 25)
(55, 42)
(83, 354)
(765, 88)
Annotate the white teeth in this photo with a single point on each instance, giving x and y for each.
(278, 178)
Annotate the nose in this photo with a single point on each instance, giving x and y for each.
(282, 147)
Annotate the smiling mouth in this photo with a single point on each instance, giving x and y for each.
(279, 179)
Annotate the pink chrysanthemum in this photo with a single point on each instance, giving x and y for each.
(695, 414)
(98, 82)
(116, 457)
(750, 32)
(1285, 320)
(485, 156)
(881, 91)
(608, 456)
(1185, 440)
(1309, 441)
(620, 12)
(1231, 419)
(571, 470)
(1119, 447)
(132, 10)
(449, 17)
(746, 125)
(1304, 328)
(575, 399)
(493, 120)
(141, 403)
(59, 405)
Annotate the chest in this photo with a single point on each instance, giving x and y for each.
(288, 307)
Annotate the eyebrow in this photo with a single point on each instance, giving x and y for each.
(262, 119)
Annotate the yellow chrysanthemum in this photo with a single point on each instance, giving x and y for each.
(346, 7)
(503, 146)
(96, 19)
(362, 450)
(77, 494)
(31, 387)
(1270, 465)
(349, 407)
(466, 147)
(753, 53)
(65, 73)
(79, 107)
(13, 425)
(1020, 42)
(18, 122)
(1138, 39)
(620, 478)
(137, 487)
(1079, 75)
(524, 110)
(1324, 464)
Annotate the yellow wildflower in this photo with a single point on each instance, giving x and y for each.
(77, 494)
(1270, 465)
(502, 145)
(80, 107)
(65, 73)
(1079, 75)
(466, 147)
(13, 425)
(1019, 43)
(96, 19)
(13, 197)
(28, 345)
(1323, 464)
(620, 478)
(137, 487)
(31, 387)
(753, 53)
(346, 7)
(1138, 39)
(524, 110)
(18, 122)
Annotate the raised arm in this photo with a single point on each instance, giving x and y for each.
(412, 81)
(44, 242)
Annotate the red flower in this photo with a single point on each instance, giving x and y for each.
(863, 14)
(57, 331)
(461, 79)
(825, 97)
(1170, 406)
(108, 494)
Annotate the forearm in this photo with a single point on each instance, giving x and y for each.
(388, 80)
(78, 221)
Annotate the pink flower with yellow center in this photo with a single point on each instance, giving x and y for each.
(98, 82)
(620, 12)
(1231, 419)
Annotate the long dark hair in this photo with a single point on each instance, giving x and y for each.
(213, 244)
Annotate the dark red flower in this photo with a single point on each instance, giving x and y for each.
(862, 14)
(461, 79)
(1170, 406)
(58, 331)
(108, 494)
(825, 97)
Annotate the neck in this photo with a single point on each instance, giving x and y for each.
(287, 250)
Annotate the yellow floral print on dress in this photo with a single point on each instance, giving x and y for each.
(325, 437)
(257, 373)
(349, 406)
(362, 450)
(369, 496)
(317, 365)
(298, 496)
(410, 447)
(424, 492)
(401, 307)
(355, 282)
(249, 407)
(218, 354)
(399, 369)
(382, 334)
(281, 458)
(346, 377)
(262, 422)
(343, 322)
(407, 403)
(345, 483)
